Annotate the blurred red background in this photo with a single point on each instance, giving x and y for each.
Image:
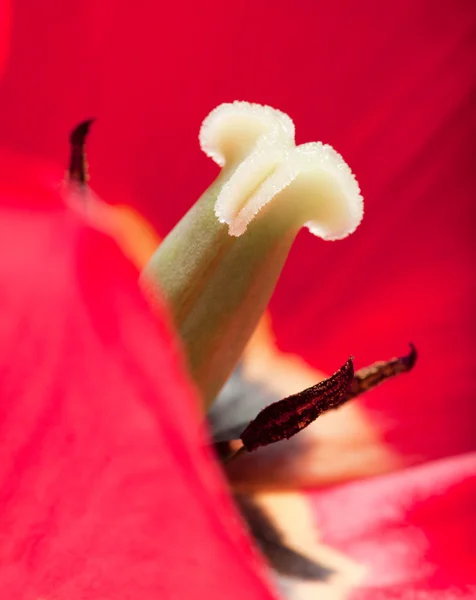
(389, 85)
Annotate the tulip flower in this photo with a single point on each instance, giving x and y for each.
(108, 487)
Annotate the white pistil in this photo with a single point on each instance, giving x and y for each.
(216, 278)
(256, 144)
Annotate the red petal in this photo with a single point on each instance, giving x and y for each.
(5, 15)
(105, 489)
(413, 531)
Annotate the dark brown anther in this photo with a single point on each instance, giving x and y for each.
(287, 417)
(78, 166)
(283, 419)
(369, 377)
